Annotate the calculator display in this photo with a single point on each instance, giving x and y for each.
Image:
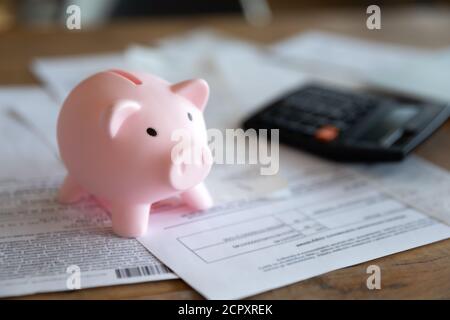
(390, 122)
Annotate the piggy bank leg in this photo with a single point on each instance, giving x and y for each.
(198, 197)
(129, 221)
(70, 191)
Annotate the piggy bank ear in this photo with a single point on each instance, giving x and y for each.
(117, 114)
(195, 90)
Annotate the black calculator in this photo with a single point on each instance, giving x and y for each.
(350, 125)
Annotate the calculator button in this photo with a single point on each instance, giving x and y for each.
(307, 130)
(341, 125)
(327, 133)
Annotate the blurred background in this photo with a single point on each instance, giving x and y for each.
(33, 29)
(32, 13)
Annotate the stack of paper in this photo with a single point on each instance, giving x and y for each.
(258, 237)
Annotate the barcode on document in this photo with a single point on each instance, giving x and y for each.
(141, 271)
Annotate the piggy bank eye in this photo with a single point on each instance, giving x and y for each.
(189, 116)
(151, 132)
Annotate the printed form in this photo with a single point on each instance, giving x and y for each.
(41, 241)
(333, 218)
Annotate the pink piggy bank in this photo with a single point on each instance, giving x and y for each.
(115, 136)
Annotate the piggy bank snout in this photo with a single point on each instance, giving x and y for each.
(189, 167)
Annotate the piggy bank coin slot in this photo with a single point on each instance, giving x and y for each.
(127, 76)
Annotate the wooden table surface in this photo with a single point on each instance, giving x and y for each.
(419, 273)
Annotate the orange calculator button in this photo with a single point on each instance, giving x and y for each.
(326, 133)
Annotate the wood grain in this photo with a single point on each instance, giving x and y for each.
(419, 273)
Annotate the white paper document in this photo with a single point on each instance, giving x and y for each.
(416, 182)
(62, 74)
(428, 76)
(43, 242)
(334, 218)
(421, 72)
(27, 134)
(214, 56)
(344, 55)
